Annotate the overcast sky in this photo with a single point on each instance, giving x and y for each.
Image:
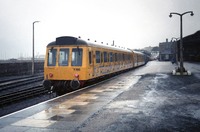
(130, 23)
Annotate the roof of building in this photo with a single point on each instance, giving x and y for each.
(193, 38)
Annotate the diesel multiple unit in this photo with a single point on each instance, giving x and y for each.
(71, 62)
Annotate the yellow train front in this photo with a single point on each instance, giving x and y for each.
(70, 62)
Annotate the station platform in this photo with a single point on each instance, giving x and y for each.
(148, 98)
(69, 111)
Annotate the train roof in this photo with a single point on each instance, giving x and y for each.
(68, 40)
(138, 52)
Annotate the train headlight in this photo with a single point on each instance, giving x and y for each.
(50, 75)
(76, 75)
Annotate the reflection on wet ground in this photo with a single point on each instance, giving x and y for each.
(149, 100)
(164, 103)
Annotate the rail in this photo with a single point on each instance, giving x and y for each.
(21, 94)
(19, 82)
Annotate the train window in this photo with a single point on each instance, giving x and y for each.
(90, 58)
(101, 57)
(123, 57)
(126, 57)
(129, 57)
(98, 59)
(105, 56)
(77, 54)
(108, 57)
(52, 57)
(116, 57)
(64, 57)
(111, 57)
(119, 56)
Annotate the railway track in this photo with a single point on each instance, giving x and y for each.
(21, 94)
(15, 89)
(19, 82)
(14, 78)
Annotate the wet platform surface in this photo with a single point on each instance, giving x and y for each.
(69, 111)
(148, 98)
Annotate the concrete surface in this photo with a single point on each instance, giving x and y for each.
(146, 99)
(159, 102)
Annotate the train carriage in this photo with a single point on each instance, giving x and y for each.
(71, 62)
(139, 58)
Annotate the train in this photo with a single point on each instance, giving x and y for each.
(71, 62)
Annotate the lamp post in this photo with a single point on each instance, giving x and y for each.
(176, 48)
(181, 68)
(33, 59)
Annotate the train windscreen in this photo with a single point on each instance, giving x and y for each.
(64, 57)
(52, 57)
(77, 54)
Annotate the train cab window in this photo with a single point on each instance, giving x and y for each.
(111, 57)
(90, 57)
(64, 57)
(98, 59)
(105, 56)
(77, 55)
(52, 57)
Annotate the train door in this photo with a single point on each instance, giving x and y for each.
(111, 62)
(101, 63)
(91, 63)
(106, 62)
(97, 66)
(135, 59)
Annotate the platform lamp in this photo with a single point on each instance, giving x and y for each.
(181, 67)
(33, 59)
(176, 48)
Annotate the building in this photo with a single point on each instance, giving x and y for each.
(155, 53)
(191, 47)
(167, 51)
(170, 51)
